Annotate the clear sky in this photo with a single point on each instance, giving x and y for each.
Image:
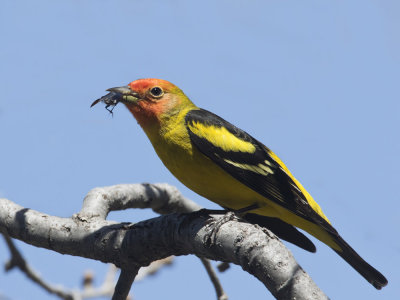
(316, 81)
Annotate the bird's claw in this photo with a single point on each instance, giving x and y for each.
(214, 225)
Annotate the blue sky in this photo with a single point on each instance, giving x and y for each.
(317, 82)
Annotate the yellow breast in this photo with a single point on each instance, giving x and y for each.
(198, 172)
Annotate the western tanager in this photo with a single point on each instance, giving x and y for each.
(229, 167)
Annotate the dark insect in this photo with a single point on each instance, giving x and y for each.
(111, 99)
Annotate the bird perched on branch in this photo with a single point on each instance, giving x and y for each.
(231, 168)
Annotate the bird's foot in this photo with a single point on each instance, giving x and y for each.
(214, 225)
(207, 212)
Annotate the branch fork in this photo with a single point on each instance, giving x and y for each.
(177, 232)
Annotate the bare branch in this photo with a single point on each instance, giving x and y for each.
(124, 284)
(160, 197)
(257, 250)
(222, 267)
(214, 279)
(106, 289)
(19, 262)
(153, 268)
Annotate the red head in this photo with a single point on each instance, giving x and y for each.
(151, 100)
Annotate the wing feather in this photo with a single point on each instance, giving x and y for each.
(250, 162)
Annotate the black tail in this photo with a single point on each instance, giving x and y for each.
(283, 230)
(372, 275)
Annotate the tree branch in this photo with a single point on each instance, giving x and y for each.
(88, 291)
(214, 279)
(154, 267)
(106, 289)
(18, 261)
(160, 197)
(124, 284)
(130, 246)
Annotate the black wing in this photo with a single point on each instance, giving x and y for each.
(256, 169)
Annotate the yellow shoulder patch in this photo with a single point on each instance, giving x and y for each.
(220, 137)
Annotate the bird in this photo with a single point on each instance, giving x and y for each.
(228, 166)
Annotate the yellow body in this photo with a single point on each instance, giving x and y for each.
(172, 143)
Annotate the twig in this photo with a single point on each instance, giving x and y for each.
(124, 283)
(223, 266)
(18, 261)
(106, 289)
(153, 268)
(214, 279)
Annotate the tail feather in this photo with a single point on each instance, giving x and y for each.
(372, 275)
(283, 230)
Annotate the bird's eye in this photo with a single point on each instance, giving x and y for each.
(156, 92)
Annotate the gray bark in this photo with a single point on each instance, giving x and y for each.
(131, 246)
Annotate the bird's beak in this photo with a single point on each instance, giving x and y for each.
(126, 95)
(122, 94)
